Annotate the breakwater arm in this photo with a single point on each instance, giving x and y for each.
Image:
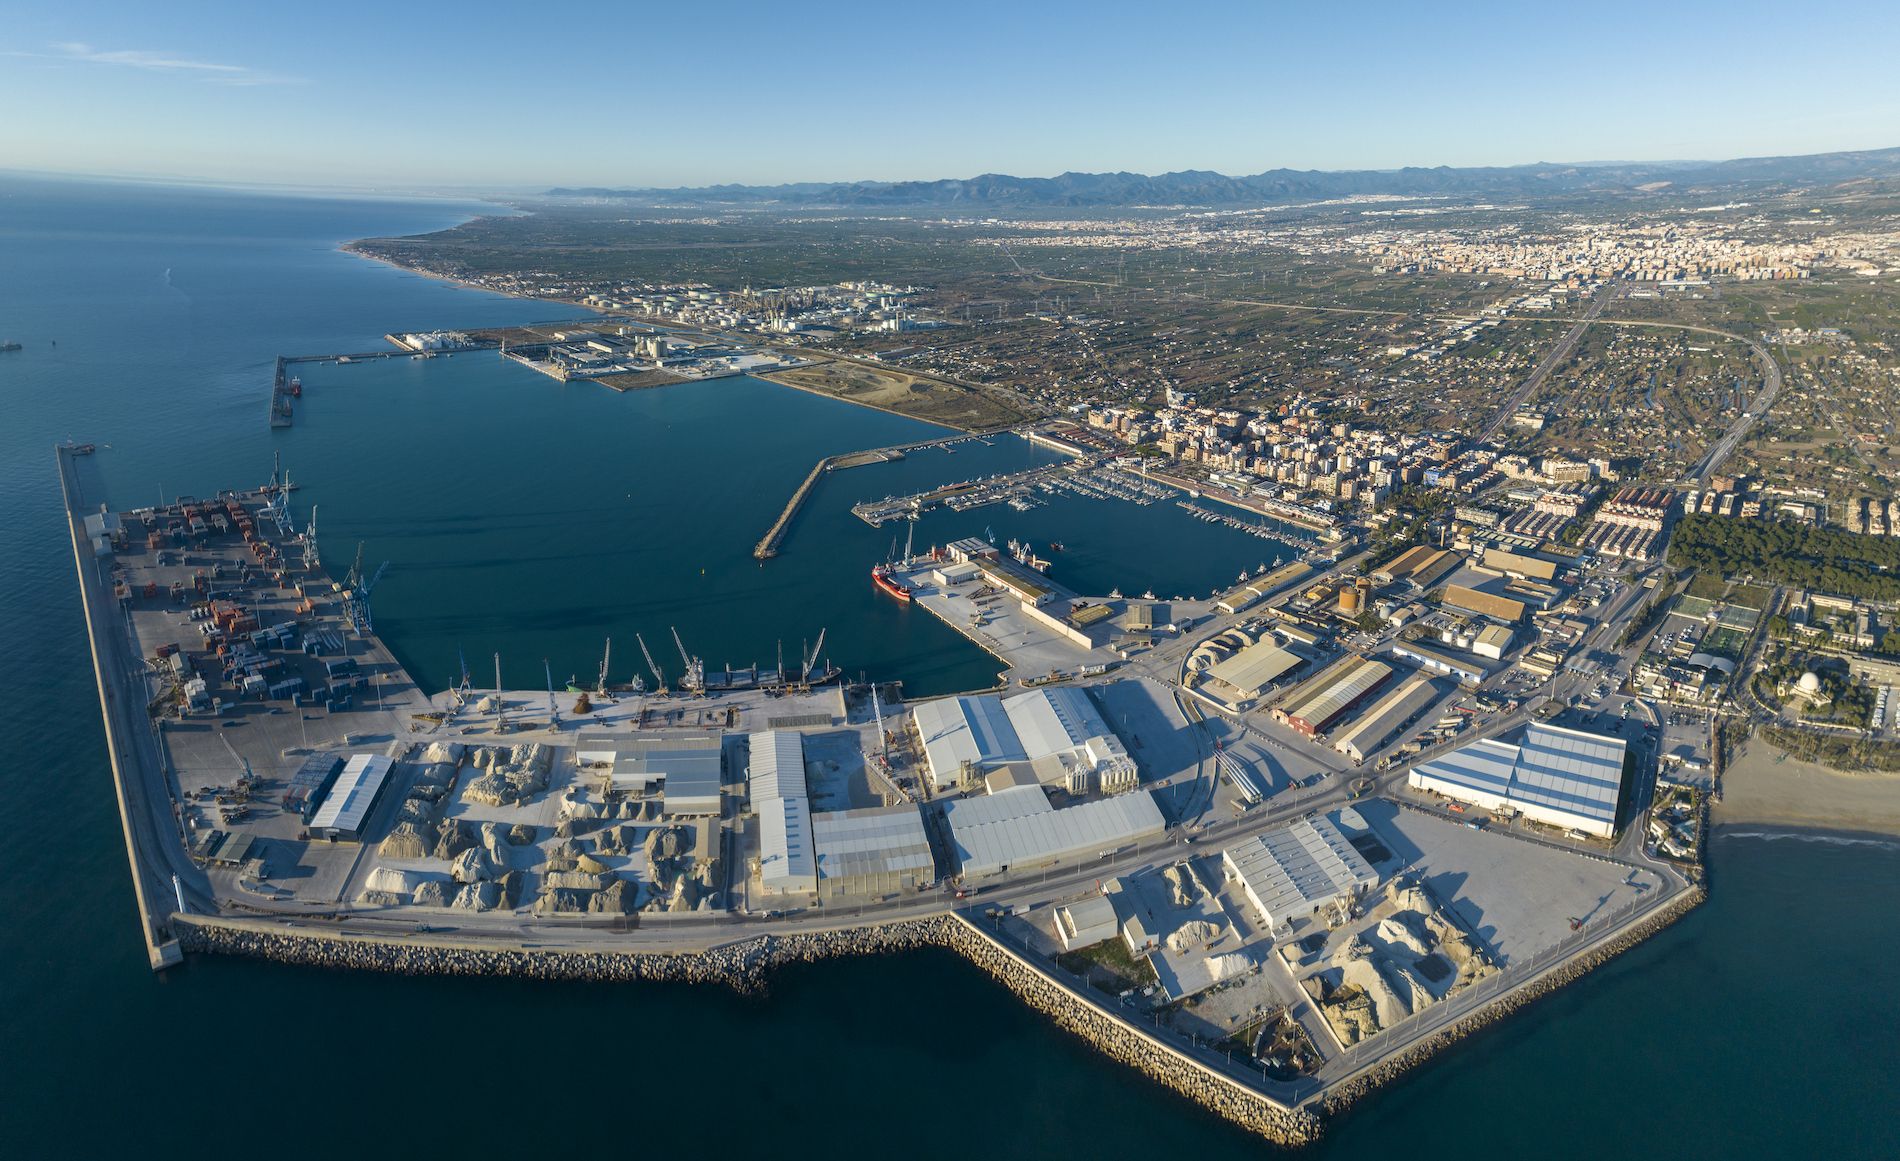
(767, 547)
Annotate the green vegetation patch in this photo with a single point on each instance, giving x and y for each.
(1827, 559)
(1110, 957)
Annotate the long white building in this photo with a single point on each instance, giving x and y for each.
(1558, 776)
(1017, 829)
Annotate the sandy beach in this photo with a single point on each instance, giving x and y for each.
(1762, 786)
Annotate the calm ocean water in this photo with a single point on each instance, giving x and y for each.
(531, 518)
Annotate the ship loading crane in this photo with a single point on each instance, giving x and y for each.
(811, 660)
(694, 682)
(309, 538)
(659, 677)
(600, 683)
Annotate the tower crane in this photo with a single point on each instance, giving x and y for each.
(554, 711)
(659, 677)
(694, 682)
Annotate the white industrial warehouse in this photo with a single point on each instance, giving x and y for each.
(1559, 776)
(345, 810)
(873, 851)
(1056, 731)
(788, 861)
(1298, 870)
(1018, 828)
(687, 770)
(1253, 670)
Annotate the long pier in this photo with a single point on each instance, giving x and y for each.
(280, 395)
(774, 537)
(122, 706)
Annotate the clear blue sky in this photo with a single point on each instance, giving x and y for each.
(526, 94)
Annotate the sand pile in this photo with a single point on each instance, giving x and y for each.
(1195, 933)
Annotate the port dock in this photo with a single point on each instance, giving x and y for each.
(774, 537)
(145, 823)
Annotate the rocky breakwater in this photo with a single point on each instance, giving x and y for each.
(746, 965)
(1344, 1093)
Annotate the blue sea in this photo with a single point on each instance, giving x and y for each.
(534, 519)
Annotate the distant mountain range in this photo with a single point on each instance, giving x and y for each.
(1204, 188)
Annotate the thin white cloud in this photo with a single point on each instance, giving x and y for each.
(223, 74)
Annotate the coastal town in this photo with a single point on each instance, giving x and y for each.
(1271, 844)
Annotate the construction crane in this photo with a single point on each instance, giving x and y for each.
(659, 678)
(694, 682)
(554, 711)
(501, 703)
(600, 684)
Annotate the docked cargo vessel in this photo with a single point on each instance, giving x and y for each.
(881, 577)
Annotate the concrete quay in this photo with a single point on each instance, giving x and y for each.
(123, 742)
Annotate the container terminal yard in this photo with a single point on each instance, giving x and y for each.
(1132, 829)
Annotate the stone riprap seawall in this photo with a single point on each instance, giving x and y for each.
(745, 965)
(1338, 1097)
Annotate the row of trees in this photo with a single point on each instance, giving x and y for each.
(1833, 561)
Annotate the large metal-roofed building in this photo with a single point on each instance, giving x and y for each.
(777, 768)
(1387, 716)
(788, 860)
(788, 857)
(1323, 699)
(344, 812)
(690, 770)
(1469, 600)
(964, 736)
(1018, 829)
(1251, 671)
(873, 851)
(1556, 775)
(1297, 870)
